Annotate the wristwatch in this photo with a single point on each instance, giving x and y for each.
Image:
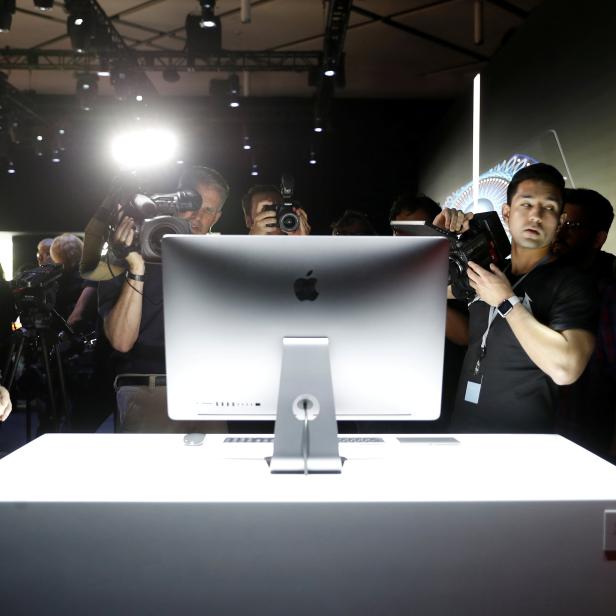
(135, 277)
(504, 308)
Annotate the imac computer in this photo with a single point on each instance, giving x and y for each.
(304, 330)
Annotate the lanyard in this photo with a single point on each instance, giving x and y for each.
(494, 312)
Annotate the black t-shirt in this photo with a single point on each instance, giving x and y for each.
(148, 354)
(515, 395)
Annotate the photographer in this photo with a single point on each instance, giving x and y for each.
(260, 205)
(131, 306)
(531, 325)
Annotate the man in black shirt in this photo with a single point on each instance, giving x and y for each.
(132, 310)
(531, 326)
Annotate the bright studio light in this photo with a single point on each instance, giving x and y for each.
(144, 148)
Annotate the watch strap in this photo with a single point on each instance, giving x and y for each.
(135, 277)
(506, 307)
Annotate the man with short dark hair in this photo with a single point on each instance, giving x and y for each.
(581, 237)
(353, 222)
(132, 310)
(586, 409)
(259, 205)
(532, 325)
(419, 208)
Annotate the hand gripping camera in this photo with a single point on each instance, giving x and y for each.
(156, 216)
(286, 218)
(485, 242)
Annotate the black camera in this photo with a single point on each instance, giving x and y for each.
(34, 292)
(156, 216)
(286, 218)
(485, 242)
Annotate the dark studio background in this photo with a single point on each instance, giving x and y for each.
(368, 154)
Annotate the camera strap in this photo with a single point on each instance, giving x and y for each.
(473, 386)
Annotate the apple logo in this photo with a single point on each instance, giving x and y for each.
(305, 288)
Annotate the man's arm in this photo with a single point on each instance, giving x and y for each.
(561, 355)
(123, 320)
(456, 327)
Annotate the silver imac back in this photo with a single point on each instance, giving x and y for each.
(231, 300)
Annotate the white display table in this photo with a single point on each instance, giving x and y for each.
(132, 524)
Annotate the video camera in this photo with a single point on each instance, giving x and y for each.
(484, 243)
(34, 292)
(286, 218)
(156, 216)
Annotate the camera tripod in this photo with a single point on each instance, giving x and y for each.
(40, 340)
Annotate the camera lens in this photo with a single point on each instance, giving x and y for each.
(289, 222)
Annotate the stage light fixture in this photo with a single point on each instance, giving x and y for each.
(170, 75)
(208, 19)
(234, 91)
(10, 168)
(81, 29)
(254, 169)
(247, 145)
(7, 10)
(55, 156)
(203, 32)
(144, 148)
(43, 5)
(313, 158)
(139, 98)
(87, 90)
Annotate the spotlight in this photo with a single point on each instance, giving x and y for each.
(144, 148)
(43, 5)
(7, 9)
(39, 137)
(87, 89)
(208, 19)
(329, 70)
(254, 170)
(139, 98)
(203, 32)
(55, 156)
(318, 129)
(81, 29)
(247, 145)
(10, 168)
(170, 75)
(234, 91)
(313, 158)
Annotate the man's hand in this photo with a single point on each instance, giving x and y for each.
(5, 404)
(264, 222)
(451, 219)
(123, 236)
(304, 227)
(491, 286)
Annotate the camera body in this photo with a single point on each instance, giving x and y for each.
(484, 243)
(34, 292)
(286, 218)
(156, 216)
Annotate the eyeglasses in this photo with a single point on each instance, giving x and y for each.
(575, 224)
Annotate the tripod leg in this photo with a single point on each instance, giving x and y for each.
(53, 417)
(65, 403)
(12, 363)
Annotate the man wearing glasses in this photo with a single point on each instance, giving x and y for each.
(587, 407)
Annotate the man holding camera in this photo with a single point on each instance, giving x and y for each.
(263, 205)
(132, 309)
(532, 325)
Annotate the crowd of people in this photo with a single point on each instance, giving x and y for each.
(534, 351)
